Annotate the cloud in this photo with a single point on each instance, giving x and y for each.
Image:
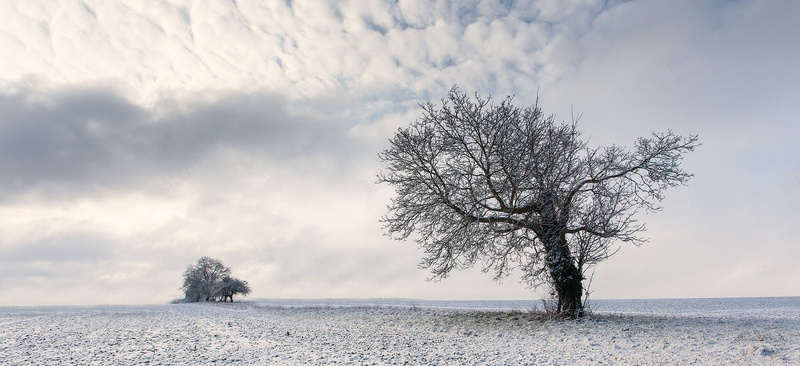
(136, 137)
(82, 141)
(718, 69)
(65, 139)
(60, 248)
(302, 49)
(239, 176)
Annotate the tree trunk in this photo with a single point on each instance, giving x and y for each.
(564, 274)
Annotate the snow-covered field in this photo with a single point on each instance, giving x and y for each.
(392, 333)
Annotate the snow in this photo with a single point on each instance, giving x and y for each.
(386, 332)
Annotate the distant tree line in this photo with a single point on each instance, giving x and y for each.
(210, 280)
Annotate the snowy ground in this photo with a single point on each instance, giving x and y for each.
(261, 334)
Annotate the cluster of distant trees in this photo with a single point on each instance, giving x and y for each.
(210, 280)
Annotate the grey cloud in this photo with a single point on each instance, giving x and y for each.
(88, 141)
(268, 179)
(61, 139)
(76, 247)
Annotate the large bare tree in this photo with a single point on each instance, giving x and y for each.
(494, 183)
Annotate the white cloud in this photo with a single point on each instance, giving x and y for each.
(138, 136)
(306, 50)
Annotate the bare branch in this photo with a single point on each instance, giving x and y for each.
(482, 181)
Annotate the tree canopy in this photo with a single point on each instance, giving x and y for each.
(209, 280)
(509, 187)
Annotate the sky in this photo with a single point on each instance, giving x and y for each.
(139, 136)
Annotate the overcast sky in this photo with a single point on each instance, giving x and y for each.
(138, 136)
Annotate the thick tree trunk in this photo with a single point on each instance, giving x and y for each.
(566, 278)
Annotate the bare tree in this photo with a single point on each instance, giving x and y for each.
(199, 280)
(509, 187)
(229, 286)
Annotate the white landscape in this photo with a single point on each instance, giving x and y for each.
(138, 136)
(397, 332)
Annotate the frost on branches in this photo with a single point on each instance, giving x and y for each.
(509, 187)
(210, 280)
